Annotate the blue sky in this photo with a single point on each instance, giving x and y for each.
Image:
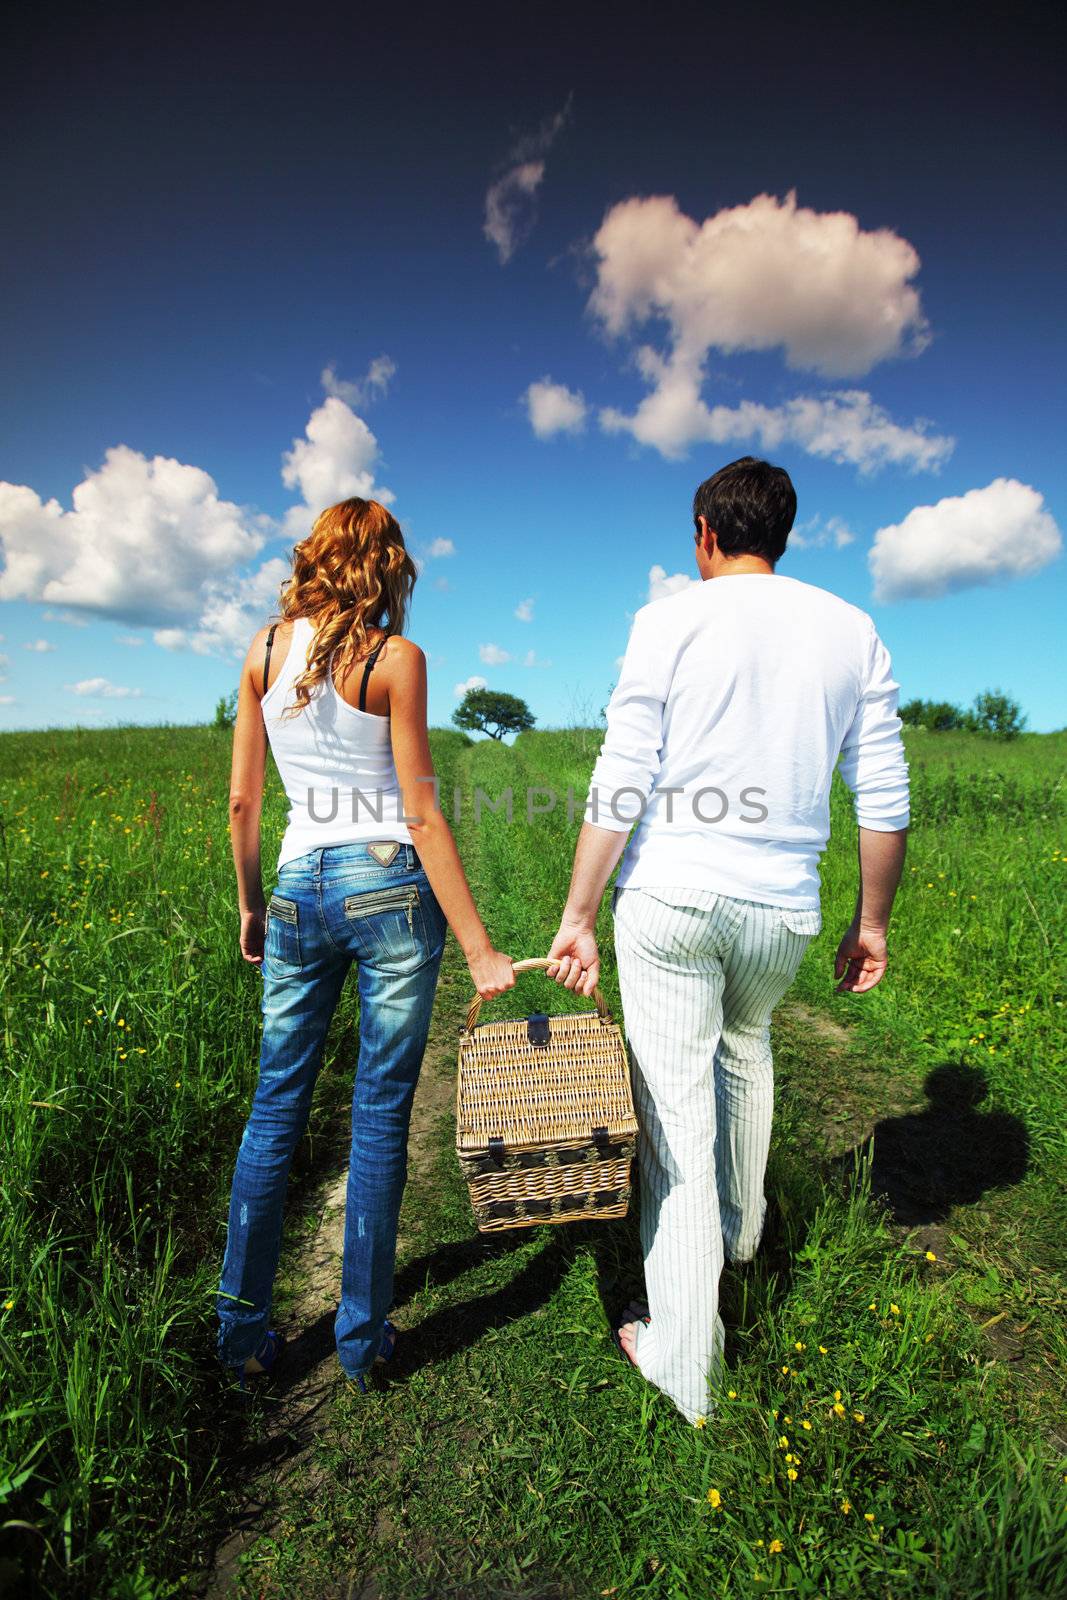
(779, 212)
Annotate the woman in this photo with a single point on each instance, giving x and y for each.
(368, 872)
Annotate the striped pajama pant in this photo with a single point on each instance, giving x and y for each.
(699, 982)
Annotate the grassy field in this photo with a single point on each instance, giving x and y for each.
(893, 1424)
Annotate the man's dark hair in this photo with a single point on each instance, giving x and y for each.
(750, 505)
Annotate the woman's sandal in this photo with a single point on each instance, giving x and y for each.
(267, 1357)
(385, 1355)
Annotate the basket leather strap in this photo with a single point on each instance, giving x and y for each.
(532, 964)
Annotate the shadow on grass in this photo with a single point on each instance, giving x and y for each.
(926, 1162)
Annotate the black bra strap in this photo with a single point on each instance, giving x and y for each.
(271, 631)
(367, 670)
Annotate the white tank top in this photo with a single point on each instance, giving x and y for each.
(336, 763)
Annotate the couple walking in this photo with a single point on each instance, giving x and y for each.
(734, 703)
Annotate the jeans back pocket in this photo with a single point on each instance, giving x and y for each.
(282, 947)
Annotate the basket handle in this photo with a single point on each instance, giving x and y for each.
(532, 964)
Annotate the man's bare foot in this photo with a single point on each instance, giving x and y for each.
(627, 1335)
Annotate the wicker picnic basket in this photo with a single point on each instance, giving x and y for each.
(545, 1125)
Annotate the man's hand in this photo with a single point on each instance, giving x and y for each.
(576, 957)
(861, 959)
(253, 934)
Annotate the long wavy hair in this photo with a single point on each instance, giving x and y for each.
(352, 576)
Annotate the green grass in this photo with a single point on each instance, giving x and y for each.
(520, 1457)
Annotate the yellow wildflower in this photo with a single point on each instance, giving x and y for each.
(839, 1408)
(868, 1516)
(837, 1394)
(775, 1547)
(791, 1474)
(714, 1499)
(785, 1372)
(846, 1506)
(823, 1350)
(873, 1306)
(931, 1256)
(9, 1305)
(783, 1443)
(806, 1426)
(799, 1345)
(701, 1422)
(858, 1416)
(894, 1310)
(731, 1394)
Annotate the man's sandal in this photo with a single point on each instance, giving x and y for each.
(384, 1356)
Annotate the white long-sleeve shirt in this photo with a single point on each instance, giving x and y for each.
(735, 699)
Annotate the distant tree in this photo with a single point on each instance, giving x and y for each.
(226, 712)
(493, 712)
(997, 713)
(940, 716)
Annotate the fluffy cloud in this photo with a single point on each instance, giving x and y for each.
(230, 613)
(102, 689)
(985, 536)
(39, 647)
(845, 425)
(335, 460)
(818, 533)
(492, 655)
(524, 610)
(7, 700)
(439, 549)
(460, 689)
(661, 584)
(142, 539)
(360, 391)
(768, 274)
(553, 408)
(531, 659)
(510, 201)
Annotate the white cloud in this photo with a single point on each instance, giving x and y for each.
(818, 532)
(102, 689)
(833, 298)
(510, 201)
(524, 610)
(769, 274)
(68, 617)
(553, 408)
(844, 425)
(492, 655)
(660, 584)
(440, 548)
(142, 539)
(985, 536)
(7, 699)
(460, 689)
(360, 391)
(336, 460)
(231, 612)
(39, 646)
(530, 659)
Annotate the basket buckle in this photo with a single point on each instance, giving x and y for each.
(537, 1029)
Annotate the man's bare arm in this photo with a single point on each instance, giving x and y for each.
(575, 944)
(862, 956)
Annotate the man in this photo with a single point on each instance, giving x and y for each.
(735, 699)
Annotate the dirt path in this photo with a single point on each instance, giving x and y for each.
(295, 1415)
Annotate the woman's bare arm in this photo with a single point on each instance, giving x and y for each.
(246, 802)
(491, 971)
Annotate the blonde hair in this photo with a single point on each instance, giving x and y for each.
(351, 574)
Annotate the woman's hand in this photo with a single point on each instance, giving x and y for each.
(491, 973)
(253, 935)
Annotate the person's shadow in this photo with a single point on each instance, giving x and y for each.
(926, 1162)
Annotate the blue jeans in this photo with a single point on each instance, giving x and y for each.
(331, 907)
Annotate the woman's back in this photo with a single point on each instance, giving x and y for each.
(335, 760)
